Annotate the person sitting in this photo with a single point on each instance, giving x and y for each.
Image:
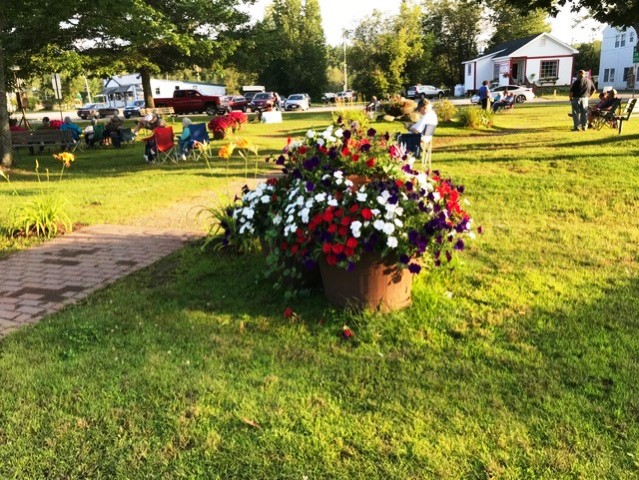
(506, 102)
(150, 148)
(428, 117)
(604, 105)
(112, 130)
(184, 141)
(14, 126)
(89, 132)
(72, 127)
(150, 121)
(373, 105)
(45, 126)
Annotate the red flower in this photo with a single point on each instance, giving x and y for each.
(351, 242)
(327, 247)
(370, 163)
(332, 228)
(355, 158)
(328, 216)
(337, 248)
(339, 213)
(346, 221)
(342, 231)
(288, 312)
(347, 333)
(284, 246)
(331, 260)
(354, 209)
(367, 213)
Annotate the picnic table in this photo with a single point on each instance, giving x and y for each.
(43, 138)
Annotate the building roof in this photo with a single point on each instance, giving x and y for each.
(506, 48)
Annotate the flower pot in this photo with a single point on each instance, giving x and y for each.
(374, 283)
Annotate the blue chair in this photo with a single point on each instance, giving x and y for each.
(199, 134)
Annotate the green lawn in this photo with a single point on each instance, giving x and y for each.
(521, 363)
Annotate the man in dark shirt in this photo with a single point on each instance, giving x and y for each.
(580, 90)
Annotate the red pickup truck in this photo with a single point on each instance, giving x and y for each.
(187, 101)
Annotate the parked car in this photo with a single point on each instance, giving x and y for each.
(132, 109)
(262, 101)
(425, 91)
(91, 110)
(190, 100)
(298, 101)
(308, 97)
(522, 94)
(329, 97)
(249, 95)
(233, 102)
(348, 95)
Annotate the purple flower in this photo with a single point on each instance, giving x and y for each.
(296, 174)
(309, 164)
(414, 268)
(387, 136)
(404, 259)
(280, 160)
(371, 132)
(413, 236)
(480, 230)
(350, 267)
(309, 264)
(346, 134)
(449, 257)
(365, 148)
(459, 244)
(310, 186)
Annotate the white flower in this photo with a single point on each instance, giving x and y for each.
(388, 228)
(265, 198)
(333, 203)
(248, 212)
(311, 134)
(399, 223)
(339, 133)
(320, 142)
(356, 227)
(378, 225)
(277, 219)
(338, 174)
(320, 197)
(375, 211)
(304, 215)
(362, 197)
(391, 242)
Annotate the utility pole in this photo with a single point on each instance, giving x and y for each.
(345, 77)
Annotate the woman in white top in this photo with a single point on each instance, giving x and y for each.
(428, 117)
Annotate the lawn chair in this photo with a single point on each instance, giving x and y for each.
(165, 144)
(606, 118)
(427, 147)
(199, 134)
(627, 112)
(98, 136)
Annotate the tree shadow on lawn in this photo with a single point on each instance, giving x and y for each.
(553, 390)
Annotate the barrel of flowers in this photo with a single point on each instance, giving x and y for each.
(354, 205)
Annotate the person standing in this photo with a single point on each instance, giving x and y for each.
(484, 95)
(580, 91)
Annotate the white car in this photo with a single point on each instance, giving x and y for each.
(424, 91)
(522, 94)
(346, 95)
(297, 101)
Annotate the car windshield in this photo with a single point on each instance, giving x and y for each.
(261, 96)
(296, 97)
(135, 103)
(89, 105)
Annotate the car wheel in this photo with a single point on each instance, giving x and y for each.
(244, 109)
(520, 98)
(211, 110)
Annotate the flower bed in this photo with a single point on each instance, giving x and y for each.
(231, 122)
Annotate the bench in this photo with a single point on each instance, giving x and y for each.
(43, 138)
(626, 114)
(168, 111)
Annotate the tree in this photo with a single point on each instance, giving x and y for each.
(291, 47)
(588, 56)
(510, 24)
(619, 13)
(454, 27)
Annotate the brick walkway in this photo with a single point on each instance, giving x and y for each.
(42, 280)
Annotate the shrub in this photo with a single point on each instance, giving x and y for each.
(474, 117)
(347, 118)
(445, 110)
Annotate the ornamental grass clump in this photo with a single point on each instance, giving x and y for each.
(347, 192)
(44, 215)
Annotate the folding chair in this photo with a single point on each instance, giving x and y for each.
(199, 134)
(606, 117)
(411, 142)
(165, 144)
(427, 147)
(98, 136)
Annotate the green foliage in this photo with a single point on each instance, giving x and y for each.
(347, 116)
(223, 232)
(446, 111)
(510, 24)
(454, 27)
(474, 117)
(588, 57)
(42, 216)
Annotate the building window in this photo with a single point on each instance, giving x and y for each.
(626, 73)
(495, 71)
(612, 75)
(617, 40)
(631, 37)
(622, 41)
(606, 74)
(469, 70)
(549, 69)
(157, 90)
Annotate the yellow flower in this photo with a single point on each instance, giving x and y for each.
(66, 158)
(242, 143)
(226, 151)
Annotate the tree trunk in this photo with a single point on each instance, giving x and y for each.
(145, 75)
(6, 157)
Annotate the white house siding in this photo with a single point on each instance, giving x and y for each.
(616, 56)
(547, 49)
(480, 69)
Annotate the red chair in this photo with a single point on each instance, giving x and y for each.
(165, 144)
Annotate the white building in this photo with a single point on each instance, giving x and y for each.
(616, 65)
(540, 59)
(121, 89)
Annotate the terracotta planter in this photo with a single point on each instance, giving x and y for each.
(374, 283)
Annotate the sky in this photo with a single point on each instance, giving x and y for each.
(338, 15)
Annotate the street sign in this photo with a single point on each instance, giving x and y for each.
(57, 86)
(635, 57)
